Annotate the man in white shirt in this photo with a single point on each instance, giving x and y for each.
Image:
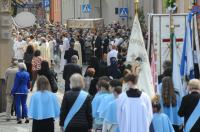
(118, 40)
(112, 53)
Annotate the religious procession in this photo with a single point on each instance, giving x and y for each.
(99, 66)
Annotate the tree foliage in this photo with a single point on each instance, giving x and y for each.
(169, 3)
(142, 20)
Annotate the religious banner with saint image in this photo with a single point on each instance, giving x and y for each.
(137, 53)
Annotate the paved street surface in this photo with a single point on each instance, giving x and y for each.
(12, 125)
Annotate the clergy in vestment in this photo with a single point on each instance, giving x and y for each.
(63, 48)
(134, 109)
(77, 47)
(19, 48)
(45, 50)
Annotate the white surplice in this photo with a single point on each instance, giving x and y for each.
(19, 48)
(112, 53)
(63, 48)
(134, 114)
(45, 51)
(77, 46)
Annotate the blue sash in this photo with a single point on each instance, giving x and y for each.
(193, 118)
(75, 107)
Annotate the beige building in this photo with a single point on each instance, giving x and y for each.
(107, 9)
(5, 46)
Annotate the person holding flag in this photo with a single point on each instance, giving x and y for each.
(187, 59)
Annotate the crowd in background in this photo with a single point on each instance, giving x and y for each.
(104, 97)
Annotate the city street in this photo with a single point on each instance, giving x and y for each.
(12, 125)
(127, 65)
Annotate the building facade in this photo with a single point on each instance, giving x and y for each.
(55, 11)
(107, 9)
(110, 9)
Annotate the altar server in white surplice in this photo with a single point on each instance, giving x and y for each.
(134, 109)
(77, 46)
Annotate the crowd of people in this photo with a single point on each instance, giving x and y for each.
(104, 98)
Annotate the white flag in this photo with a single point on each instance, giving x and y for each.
(176, 75)
(136, 50)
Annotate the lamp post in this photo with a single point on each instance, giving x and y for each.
(74, 9)
(171, 26)
(136, 6)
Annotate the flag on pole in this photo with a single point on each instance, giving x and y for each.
(153, 68)
(187, 64)
(176, 75)
(137, 51)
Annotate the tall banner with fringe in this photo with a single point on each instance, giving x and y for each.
(138, 54)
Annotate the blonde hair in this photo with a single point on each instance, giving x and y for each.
(22, 66)
(77, 81)
(194, 84)
(43, 84)
(136, 68)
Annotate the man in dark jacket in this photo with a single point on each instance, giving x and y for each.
(98, 46)
(69, 53)
(70, 69)
(82, 120)
(113, 70)
(189, 104)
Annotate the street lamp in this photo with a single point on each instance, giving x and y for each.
(74, 9)
(136, 6)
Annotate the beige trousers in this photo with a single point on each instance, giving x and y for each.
(9, 101)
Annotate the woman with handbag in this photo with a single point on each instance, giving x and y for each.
(45, 71)
(44, 107)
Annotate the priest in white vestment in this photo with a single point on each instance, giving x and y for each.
(134, 109)
(77, 47)
(45, 50)
(63, 48)
(19, 48)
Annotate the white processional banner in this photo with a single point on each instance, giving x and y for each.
(85, 23)
(136, 50)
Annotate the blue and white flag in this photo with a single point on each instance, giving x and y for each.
(187, 64)
(176, 75)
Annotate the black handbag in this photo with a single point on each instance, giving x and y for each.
(54, 85)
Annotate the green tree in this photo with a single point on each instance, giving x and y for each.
(169, 3)
(142, 20)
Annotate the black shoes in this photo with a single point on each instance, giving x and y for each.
(19, 122)
(27, 121)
